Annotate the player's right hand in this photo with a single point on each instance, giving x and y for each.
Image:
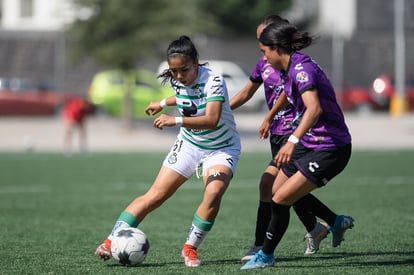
(264, 129)
(153, 108)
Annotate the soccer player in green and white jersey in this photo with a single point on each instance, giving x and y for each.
(208, 139)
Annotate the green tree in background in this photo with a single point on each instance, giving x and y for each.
(119, 33)
(240, 17)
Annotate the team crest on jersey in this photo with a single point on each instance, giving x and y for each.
(172, 158)
(302, 77)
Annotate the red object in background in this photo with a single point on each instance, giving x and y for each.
(383, 90)
(76, 109)
(356, 99)
(23, 97)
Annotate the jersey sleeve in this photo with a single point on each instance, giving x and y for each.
(256, 76)
(216, 89)
(305, 77)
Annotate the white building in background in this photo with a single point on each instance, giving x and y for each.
(36, 15)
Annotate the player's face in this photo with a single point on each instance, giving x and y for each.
(272, 56)
(183, 70)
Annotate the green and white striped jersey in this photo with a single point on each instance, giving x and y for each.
(192, 101)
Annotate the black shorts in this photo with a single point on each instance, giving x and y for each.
(277, 142)
(319, 166)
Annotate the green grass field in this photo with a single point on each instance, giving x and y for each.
(54, 211)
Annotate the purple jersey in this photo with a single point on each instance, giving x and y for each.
(264, 73)
(330, 130)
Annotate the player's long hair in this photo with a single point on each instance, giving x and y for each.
(285, 37)
(273, 18)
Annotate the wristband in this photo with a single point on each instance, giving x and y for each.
(178, 120)
(163, 103)
(293, 139)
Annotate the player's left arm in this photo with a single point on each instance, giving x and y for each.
(311, 114)
(215, 91)
(209, 120)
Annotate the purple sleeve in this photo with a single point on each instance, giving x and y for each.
(305, 77)
(256, 75)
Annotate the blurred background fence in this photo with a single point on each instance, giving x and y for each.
(34, 49)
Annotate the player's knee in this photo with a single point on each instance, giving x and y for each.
(282, 199)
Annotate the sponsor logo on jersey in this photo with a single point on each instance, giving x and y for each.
(298, 67)
(302, 77)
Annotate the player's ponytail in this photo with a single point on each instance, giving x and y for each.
(285, 37)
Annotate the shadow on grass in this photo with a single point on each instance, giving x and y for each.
(390, 258)
(204, 263)
(312, 261)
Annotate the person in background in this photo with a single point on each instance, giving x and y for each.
(74, 115)
(207, 141)
(320, 128)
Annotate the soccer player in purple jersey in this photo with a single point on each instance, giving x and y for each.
(319, 147)
(280, 128)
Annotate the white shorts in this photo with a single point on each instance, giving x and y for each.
(186, 159)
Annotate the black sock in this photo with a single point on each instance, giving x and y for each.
(307, 218)
(277, 227)
(317, 208)
(264, 213)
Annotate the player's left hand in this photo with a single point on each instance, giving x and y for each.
(284, 155)
(164, 120)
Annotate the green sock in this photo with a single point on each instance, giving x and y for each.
(199, 230)
(124, 220)
(128, 218)
(202, 224)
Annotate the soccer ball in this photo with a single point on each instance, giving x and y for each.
(129, 246)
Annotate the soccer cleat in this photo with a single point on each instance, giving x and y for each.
(190, 255)
(342, 223)
(104, 250)
(250, 254)
(260, 260)
(314, 238)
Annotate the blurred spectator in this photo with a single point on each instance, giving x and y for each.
(74, 114)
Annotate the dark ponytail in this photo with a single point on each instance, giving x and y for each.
(285, 37)
(301, 40)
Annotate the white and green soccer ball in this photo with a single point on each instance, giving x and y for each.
(129, 246)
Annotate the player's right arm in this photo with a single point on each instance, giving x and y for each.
(244, 94)
(155, 107)
(279, 105)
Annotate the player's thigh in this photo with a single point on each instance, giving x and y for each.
(279, 181)
(271, 170)
(292, 189)
(166, 183)
(219, 161)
